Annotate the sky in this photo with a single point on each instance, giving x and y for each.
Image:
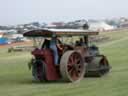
(24, 11)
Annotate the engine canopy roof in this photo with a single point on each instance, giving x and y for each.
(59, 32)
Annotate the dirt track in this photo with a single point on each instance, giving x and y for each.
(16, 44)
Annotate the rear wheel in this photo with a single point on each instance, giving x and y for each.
(72, 67)
(39, 70)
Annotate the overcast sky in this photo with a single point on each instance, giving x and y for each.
(23, 11)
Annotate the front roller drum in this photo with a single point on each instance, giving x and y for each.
(72, 67)
(98, 67)
(104, 66)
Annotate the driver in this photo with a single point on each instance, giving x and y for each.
(53, 46)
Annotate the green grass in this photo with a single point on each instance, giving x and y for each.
(16, 79)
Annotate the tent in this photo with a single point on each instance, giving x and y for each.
(3, 41)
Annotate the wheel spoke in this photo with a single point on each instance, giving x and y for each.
(71, 61)
(70, 68)
(71, 72)
(74, 74)
(77, 60)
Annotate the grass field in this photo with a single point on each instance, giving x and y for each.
(16, 80)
